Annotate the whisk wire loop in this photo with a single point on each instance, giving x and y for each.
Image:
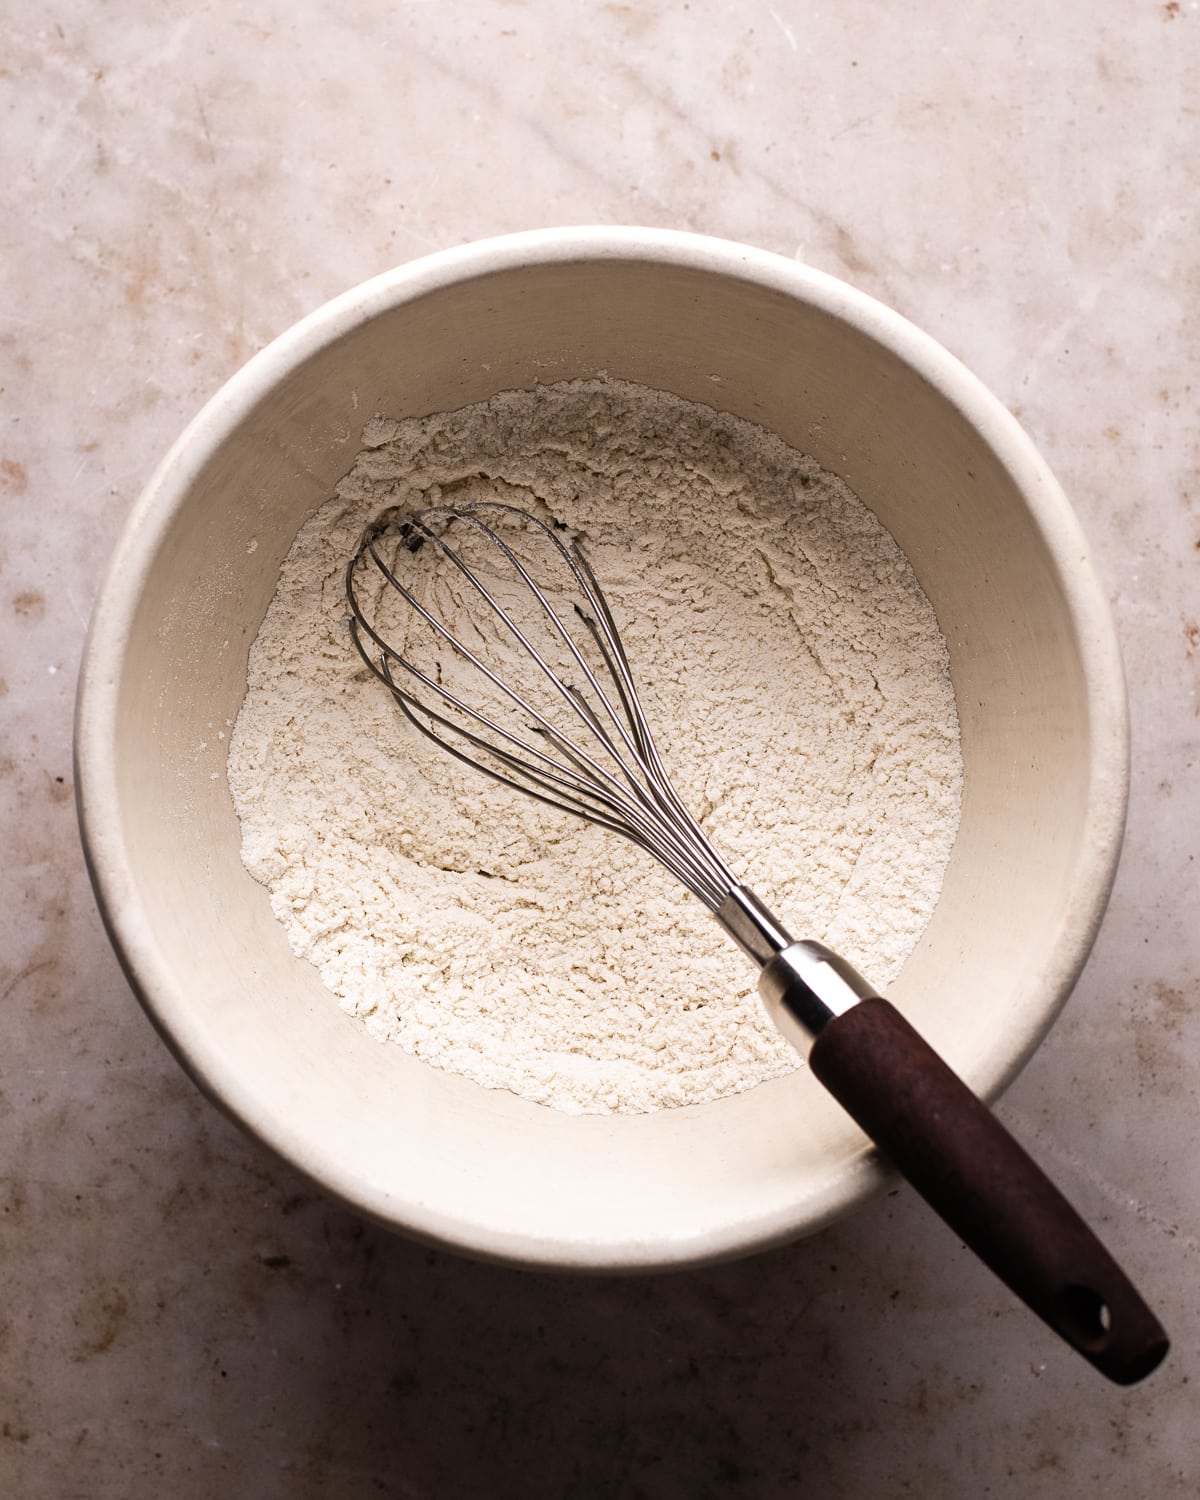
(627, 789)
(502, 615)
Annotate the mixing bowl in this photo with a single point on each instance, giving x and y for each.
(990, 536)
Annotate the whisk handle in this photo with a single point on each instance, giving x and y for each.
(966, 1165)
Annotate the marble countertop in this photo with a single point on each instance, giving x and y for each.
(181, 1314)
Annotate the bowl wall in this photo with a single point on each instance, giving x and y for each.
(945, 468)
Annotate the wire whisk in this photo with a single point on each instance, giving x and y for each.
(496, 642)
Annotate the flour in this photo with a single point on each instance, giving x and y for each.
(799, 690)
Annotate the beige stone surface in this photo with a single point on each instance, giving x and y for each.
(181, 1316)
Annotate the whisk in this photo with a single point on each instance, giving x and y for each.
(488, 627)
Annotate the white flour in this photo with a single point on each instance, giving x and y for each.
(799, 689)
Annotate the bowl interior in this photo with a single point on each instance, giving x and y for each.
(944, 469)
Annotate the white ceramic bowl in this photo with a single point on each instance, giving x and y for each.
(989, 535)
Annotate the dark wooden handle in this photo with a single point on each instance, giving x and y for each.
(964, 1163)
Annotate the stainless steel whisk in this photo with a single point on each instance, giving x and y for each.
(532, 686)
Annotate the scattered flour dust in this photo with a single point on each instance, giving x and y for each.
(799, 689)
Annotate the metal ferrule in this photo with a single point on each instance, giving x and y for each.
(803, 985)
(752, 927)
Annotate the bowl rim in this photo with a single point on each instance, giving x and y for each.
(97, 801)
